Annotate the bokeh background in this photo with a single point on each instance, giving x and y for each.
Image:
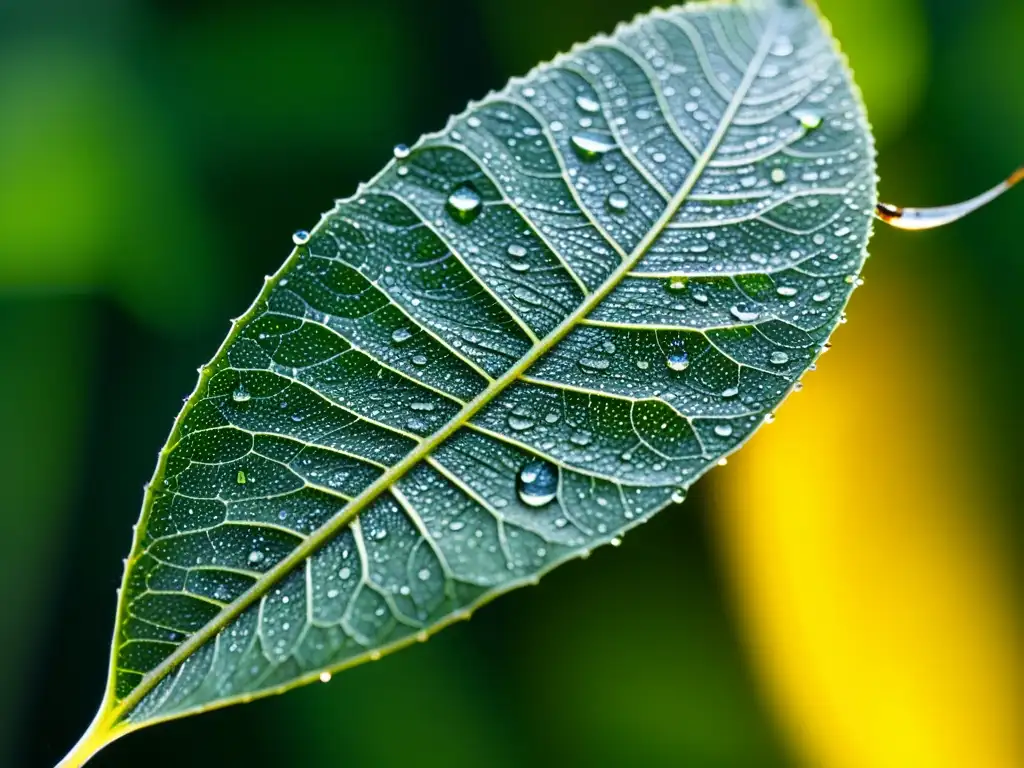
(845, 594)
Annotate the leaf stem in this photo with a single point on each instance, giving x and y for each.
(930, 218)
(99, 733)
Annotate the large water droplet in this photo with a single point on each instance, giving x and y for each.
(401, 334)
(516, 251)
(590, 146)
(241, 394)
(240, 477)
(464, 203)
(723, 430)
(677, 359)
(808, 119)
(300, 237)
(677, 283)
(537, 483)
(779, 358)
(401, 151)
(743, 315)
(617, 201)
(520, 423)
(778, 175)
(587, 104)
(255, 557)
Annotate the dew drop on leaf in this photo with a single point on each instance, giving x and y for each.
(241, 394)
(808, 119)
(240, 477)
(779, 358)
(300, 237)
(778, 175)
(401, 334)
(537, 482)
(590, 146)
(587, 104)
(677, 360)
(464, 203)
(618, 201)
(723, 430)
(401, 151)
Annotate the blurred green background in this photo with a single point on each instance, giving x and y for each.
(155, 156)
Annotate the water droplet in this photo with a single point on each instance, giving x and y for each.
(419, 360)
(401, 151)
(590, 146)
(617, 201)
(808, 119)
(401, 334)
(464, 203)
(723, 430)
(241, 394)
(520, 423)
(678, 496)
(537, 483)
(300, 237)
(240, 477)
(786, 290)
(743, 315)
(677, 283)
(587, 104)
(516, 251)
(778, 175)
(594, 364)
(424, 574)
(642, 365)
(779, 358)
(325, 677)
(730, 392)
(255, 557)
(782, 47)
(677, 359)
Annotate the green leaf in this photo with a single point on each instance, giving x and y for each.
(525, 336)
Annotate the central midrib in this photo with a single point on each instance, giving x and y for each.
(325, 532)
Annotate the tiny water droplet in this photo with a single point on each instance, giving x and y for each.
(401, 334)
(723, 430)
(778, 175)
(516, 251)
(677, 359)
(743, 315)
(520, 423)
(779, 358)
(419, 360)
(464, 203)
(537, 483)
(241, 394)
(590, 146)
(300, 237)
(424, 574)
(587, 104)
(730, 392)
(808, 119)
(617, 201)
(786, 290)
(677, 283)
(325, 677)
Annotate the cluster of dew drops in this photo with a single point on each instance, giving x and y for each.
(538, 479)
